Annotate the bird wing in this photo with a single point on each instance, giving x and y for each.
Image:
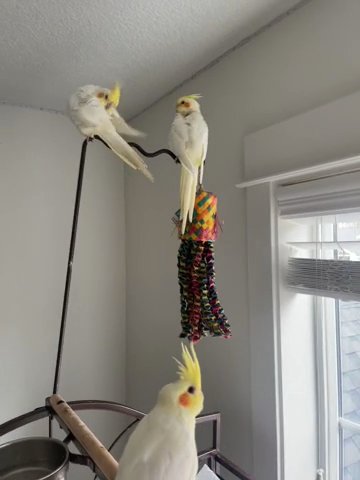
(188, 183)
(197, 150)
(119, 146)
(121, 126)
(205, 141)
(198, 140)
(178, 140)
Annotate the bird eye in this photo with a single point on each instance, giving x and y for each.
(182, 103)
(191, 390)
(106, 97)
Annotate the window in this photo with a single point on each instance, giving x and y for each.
(294, 341)
(348, 340)
(324, 262)
(343, 337)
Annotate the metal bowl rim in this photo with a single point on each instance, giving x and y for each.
(65, 462)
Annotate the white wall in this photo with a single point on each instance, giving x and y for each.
(307, 60)
(39, 159)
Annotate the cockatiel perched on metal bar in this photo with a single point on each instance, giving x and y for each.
(163, 445)
(93, 111)
(188, 139)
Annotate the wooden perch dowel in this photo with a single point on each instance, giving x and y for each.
(84, 437)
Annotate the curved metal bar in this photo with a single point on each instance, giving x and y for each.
(208, 417)
(232, 467)
(46, 411)
(121, 408)
(105, 405)
(204, 455)
(21, 420)
(139, 148)
(162, 151)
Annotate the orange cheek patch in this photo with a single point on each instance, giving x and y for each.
(184, 400)
(187, 104)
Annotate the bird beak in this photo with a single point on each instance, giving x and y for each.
(114, 96)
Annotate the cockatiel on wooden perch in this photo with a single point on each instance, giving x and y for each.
(93, 111)
(163, 445)
(188, 139)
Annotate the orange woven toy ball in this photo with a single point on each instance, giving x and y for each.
(204, 225)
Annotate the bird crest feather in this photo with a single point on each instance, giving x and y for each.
(189, 368)
(193, 96)
(115, 94)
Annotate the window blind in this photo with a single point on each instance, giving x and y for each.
(337, 194)
(334, 278)
(322, 265)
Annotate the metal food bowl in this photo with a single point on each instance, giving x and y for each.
(34, 458)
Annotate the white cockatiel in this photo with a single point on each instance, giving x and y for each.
(93, 111)
(188, 139)
(163, 445)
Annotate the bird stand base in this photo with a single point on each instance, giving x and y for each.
(201, 311)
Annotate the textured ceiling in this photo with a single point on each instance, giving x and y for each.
(50, 47)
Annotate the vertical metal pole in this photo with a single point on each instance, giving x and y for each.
(69, 272)
(216, 442)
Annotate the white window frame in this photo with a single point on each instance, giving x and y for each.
(328, 363)
(327, 386)
(331, 442)
(265, 355)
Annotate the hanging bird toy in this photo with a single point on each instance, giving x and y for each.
(201, 312)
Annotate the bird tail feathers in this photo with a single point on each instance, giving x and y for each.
(123, 150)
(122, 127)
(187, 196)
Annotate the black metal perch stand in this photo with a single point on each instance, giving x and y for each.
(69, 265)
(65, 303)
(211, 456)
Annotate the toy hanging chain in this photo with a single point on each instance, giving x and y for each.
(201, 312)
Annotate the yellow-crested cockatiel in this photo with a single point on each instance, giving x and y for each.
(188, 139)
(93, 110)
(163, 445)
